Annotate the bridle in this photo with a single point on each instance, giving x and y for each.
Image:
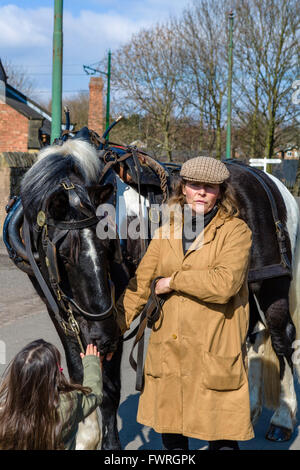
(57, 299)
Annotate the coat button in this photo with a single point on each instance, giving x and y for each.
(174, 336)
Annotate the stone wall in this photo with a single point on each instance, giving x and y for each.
(13, 165)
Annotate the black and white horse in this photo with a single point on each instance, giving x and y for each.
(60, 195)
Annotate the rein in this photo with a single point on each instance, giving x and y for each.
(151, 313)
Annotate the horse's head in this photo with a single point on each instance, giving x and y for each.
(60, 197)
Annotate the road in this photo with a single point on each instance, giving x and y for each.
(23, 318)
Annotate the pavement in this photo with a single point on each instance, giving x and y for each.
(23, 318)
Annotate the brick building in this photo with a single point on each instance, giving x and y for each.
(24, 125)
(290, 152)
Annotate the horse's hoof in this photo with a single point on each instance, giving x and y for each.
(278, 433)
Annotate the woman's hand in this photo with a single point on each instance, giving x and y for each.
(163, 286)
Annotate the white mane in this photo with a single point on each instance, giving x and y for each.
(81, 150)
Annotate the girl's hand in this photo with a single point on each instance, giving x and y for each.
(91, 350)
(163, 286)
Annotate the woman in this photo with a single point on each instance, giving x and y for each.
(195, 370)
(39, 408)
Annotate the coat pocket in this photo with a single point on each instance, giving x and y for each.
(223, 373)
(153, 365)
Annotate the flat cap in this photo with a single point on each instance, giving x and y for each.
(204, 170)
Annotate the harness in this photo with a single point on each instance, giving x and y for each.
(284, 267)
(56, 297)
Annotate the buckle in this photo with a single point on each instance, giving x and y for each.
(66, 187)
(110, 157)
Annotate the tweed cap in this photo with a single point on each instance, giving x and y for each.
(204, 170)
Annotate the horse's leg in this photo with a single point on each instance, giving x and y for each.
(111, 400)
(88, 436)
(283, 420)
(273, 300)
(255, 346)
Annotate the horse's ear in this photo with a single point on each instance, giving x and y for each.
(58, 205)
(100, 194)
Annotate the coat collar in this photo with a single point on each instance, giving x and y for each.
(205, 237)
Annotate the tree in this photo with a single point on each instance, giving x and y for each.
(267, 62)
(147, 73)
(79, 109)
(203, 32)
(18, 78)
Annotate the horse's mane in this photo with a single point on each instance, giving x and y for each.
(55, 163)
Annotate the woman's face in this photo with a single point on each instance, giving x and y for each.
(201, 197)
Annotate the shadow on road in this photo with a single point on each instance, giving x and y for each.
(147, 439)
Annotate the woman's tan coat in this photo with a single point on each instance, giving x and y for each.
(195, 371)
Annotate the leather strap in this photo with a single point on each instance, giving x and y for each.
(150, 314)
(113, 162)
(267, 272)
(36, 270)
(74, 225)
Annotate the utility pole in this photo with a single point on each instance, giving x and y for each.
(108, 92)
(229, 86)
(91, 71)
(57, 70)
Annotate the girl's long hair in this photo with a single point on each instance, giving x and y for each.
(227, 202)
(29, 399)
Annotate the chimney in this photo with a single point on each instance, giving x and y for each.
(95, 119)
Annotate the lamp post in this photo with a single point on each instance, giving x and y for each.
(229, 86)
(108, 91)
(91, 71)
(57, 70)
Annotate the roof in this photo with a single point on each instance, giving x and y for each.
(28, 108)
(23, 108)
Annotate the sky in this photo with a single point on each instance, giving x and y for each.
(90, 29)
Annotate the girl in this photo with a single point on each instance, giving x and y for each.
(40, 409)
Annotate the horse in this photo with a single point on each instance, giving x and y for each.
(266, 206)
(83, 276)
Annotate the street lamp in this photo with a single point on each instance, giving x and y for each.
(91, 71)
(57, 70)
